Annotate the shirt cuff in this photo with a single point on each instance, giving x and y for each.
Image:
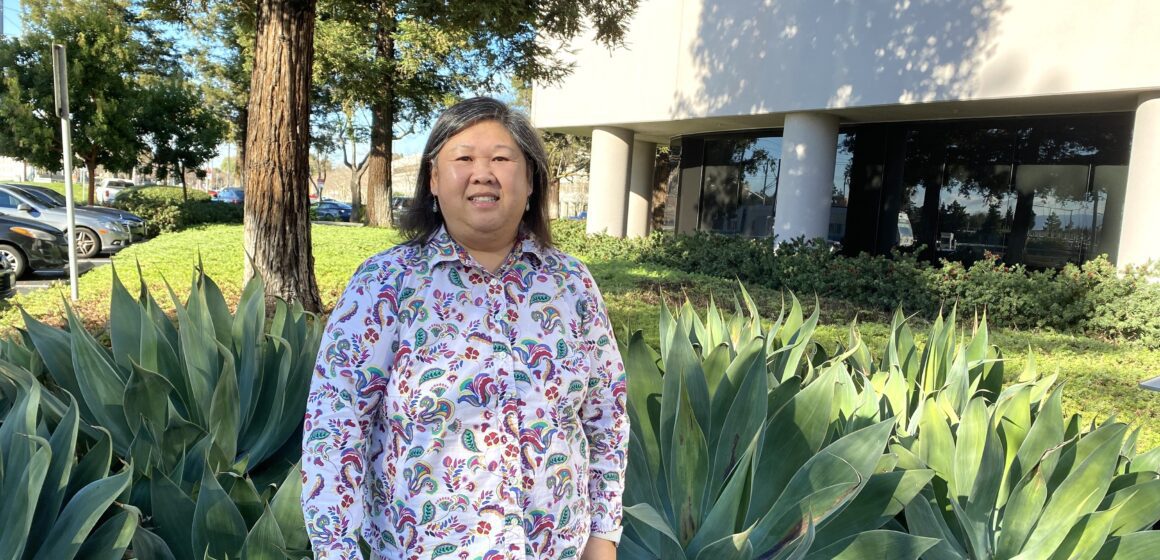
(613, 535)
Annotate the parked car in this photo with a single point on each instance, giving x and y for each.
(110, 188)
(7, 279)
(332, 210)
(28, 246)
(95, 232)
(231, 196)
(134, 223)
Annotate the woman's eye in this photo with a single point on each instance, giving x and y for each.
(501, 158)
(463, 158)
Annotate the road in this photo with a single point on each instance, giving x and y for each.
(40, 280)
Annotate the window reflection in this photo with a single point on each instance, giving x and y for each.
(740, 185)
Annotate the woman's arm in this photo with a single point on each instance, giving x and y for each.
(345, 389)
(605, 421)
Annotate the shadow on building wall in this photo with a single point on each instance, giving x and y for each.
(812, 54)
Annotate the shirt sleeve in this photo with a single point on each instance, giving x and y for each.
(344, 392)
(605, 421)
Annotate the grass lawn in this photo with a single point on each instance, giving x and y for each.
(1101, 378)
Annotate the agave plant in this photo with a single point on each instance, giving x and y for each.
(743, 448)
(56, 506)
(208, 407)
(1014, 480)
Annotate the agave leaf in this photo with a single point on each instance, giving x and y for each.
(687, 477)
(925, 521)
(935, 444)
(159, 356)
(773, 336)
(148, 545)
(1146, 462)
(649, 516)
(1012, 421)
(785, 360)
(55, 347)
(216, 306)
(715, 365)
(668, 327)
(28, 458)
(199, 360)
(281, 405)
(1136, 546)
(112, 538)
(1046, 432)
(1078, 495)
(732, 547)
(876, 544)
(173, 516)
(1023, 511)
(797, 548)
(1136, 507)
(63, 445)
(225, 416)
(218, 527)
(124, 324)
(722, 518)
(792, 435)
(716, 332)
(264, 542)
(1126, 480)
(644, 389)
(628, 549)
(82, 513)
(1087, 537)
(971, 438)
(286, 507)
(94, 465)
(884, 496)
(246, 342)
(742, 422)
(146, 398)
(825, 483)
(244, 495)
(102, 385)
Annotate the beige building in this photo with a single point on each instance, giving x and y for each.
(1029, 129)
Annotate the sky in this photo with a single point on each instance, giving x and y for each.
(12, 24)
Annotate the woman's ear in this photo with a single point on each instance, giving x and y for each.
(433, 184)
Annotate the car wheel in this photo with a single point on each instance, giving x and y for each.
(15, 259)
(88, 243)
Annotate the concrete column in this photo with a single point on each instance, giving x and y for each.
(608, 180)
(808, 148)
(1141, 228)
(640, 189)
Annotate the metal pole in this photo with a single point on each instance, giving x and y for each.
(60, 81)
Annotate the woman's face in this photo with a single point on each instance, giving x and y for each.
(482, 181)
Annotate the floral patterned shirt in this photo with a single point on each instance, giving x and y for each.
(460, 414)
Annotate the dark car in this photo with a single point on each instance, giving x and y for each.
(7, 279)
(134, 223)
(29, 246)
(332, 210)
(231, 196)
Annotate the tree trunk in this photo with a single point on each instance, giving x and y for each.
(379, 211)
(554, 198)
(277, 171)
(1020, 228)
(184, 189)
(91, 167)
(243, 131)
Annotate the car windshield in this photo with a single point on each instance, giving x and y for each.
(48, 196)
(39, 197)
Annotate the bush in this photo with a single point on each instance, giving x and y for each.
(165, 212)
(1092, 298)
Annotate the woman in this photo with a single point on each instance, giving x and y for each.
(468, 400)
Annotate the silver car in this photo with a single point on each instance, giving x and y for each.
(95, 232)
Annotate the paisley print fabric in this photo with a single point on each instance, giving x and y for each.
(460, 414)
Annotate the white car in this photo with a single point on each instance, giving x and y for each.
(109, 189)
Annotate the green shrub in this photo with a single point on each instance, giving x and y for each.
(165, 212)
(1092, 298)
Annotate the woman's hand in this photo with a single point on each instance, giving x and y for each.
(599, 549)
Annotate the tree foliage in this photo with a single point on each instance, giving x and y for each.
(128, 95)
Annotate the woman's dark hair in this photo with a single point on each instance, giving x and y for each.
(418, 222)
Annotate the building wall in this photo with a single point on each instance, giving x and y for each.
(692, 59)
